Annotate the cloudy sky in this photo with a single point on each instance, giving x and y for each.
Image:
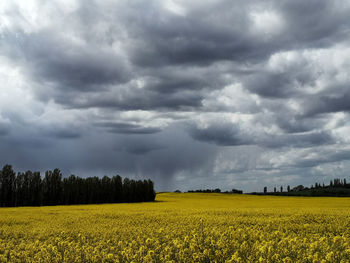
(192, 94)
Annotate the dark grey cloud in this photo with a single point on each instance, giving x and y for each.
(326, 158)
(223, 134)
(139, 149)
(139, 144)
(127, 128)
(219, 92)
(197, 38)
(314, 23)
(138, 156)
(330, 103)
(25, 131)
(302, 140)
(65, 133)
(232, 135)
(54, 60)
(223, 32)
(87, 60)
(298, 124)
(4, 129)
(279, 85)
(128, 98)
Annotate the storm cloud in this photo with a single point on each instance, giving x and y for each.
(192, 94)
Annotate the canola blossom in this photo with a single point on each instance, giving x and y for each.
(181, 228)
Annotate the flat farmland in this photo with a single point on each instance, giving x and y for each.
(181, 227)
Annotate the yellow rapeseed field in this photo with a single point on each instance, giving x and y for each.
(181, 228)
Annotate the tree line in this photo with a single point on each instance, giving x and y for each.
(335, 183)
(336, 187)
(30, 189)
(217, 190)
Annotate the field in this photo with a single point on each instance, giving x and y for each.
(181, 228)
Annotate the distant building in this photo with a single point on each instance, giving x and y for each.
(298, 188)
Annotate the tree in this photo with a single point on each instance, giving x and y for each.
(21, 190)
(281, 189)
(337, 182)
(70, 190)
(274, 189)
(117, 183)
(35, 188)
(288, 188)
(139, 191)
(52, 187)
(236, 191)
(265, 190)
(126, 190)
(106, 190)
(8, 190)
(151, 193)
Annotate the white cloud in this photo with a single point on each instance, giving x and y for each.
(267, 23)
(174, 7)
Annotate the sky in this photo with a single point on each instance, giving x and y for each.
(191, 94)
